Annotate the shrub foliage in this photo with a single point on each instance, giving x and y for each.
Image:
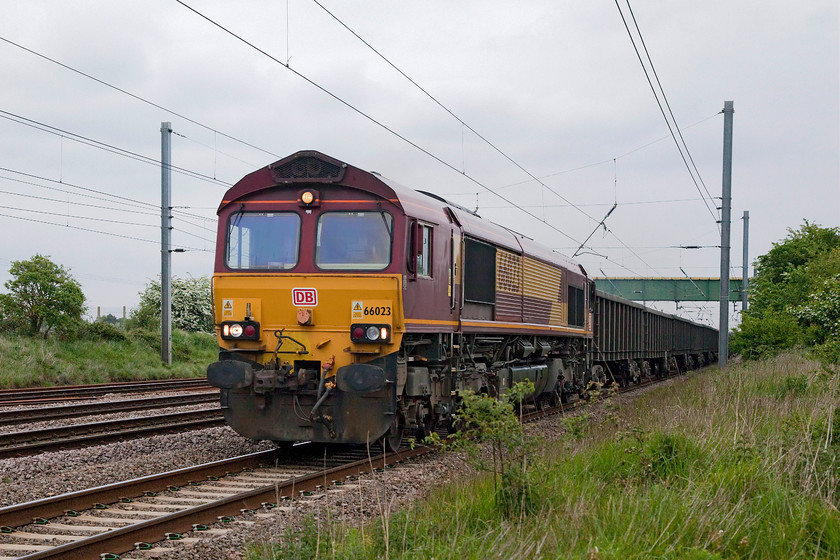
(192, 307)
(794, 297)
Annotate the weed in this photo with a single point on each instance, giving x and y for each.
(792, 386)
(575, 427)
(724, 468)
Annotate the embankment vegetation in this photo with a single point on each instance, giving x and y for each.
(45, 339)
(743, 463)
(794, 298)
(101, 354)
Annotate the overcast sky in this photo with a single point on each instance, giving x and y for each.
(555, 85)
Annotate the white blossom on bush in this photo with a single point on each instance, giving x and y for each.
(822, 308)
(192, 307)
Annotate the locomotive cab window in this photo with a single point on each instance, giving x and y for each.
(263, 240)
(423, 255)
(353, 241)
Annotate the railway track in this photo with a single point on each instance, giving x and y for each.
(27, 415)
(107, 521)
(37, 395)
(30, 442)
(180, 505)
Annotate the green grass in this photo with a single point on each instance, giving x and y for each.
(32, 362)
(737, 464)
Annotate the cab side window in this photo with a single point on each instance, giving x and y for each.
(424, 250)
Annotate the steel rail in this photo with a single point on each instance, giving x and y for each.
(120, 540)
(107, 407)
(18, 444)
(21, 396)
(117, 541)
(21, 514)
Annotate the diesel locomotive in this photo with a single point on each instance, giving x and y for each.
(350, 309)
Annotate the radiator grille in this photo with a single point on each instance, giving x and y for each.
(307, 168)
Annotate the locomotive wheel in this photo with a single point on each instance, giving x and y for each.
(393, 437)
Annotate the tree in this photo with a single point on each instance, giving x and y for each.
(192, 306)
(794, 267)
(795, 295)
(110, 319)
(43, 298)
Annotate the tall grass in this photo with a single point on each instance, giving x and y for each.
(31, 362)
(734, 464)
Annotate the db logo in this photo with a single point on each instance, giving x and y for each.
(304, 297)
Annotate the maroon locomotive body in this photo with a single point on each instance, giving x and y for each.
(349, 308)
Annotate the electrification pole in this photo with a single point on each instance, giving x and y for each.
(725, 219)
(166, 242)
(746, 274)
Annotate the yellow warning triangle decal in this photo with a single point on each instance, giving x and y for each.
(357, 307)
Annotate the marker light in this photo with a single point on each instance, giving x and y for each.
(370, 333)
(240, 330)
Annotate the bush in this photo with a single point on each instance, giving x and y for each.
(759, 337)
(99, 330)
(795, 296)
(147, 336)
(192, 306)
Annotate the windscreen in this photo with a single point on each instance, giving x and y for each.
(263, 240)
(354, 241)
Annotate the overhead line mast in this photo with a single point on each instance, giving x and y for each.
(725, 218)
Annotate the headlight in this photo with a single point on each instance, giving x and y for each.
(240, 330)
(370, 333)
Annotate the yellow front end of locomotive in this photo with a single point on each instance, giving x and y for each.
(334, 319)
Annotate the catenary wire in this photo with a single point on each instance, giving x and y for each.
(105, 147)
(97, 231)
(370, 118)
(120, 222)
(661, 109)
(665, 98)
(127, 201)
(139, 98)
(595, 164)
(132, 207)
(97, 206)
(632, 203)
(120, 199)
(488, 142)
(456, 117)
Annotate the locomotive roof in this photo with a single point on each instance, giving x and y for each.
(311, 167)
